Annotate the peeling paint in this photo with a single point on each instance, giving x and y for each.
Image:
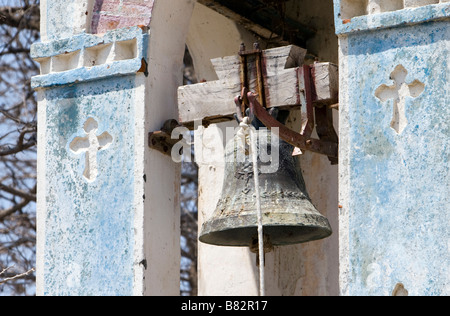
(90, 223)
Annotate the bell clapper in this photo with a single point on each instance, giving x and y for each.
(254, 248)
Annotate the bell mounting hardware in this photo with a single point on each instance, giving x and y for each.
(313, 87)
(318, 115)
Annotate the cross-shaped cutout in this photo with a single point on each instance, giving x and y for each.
(398, 92)
(91, 145)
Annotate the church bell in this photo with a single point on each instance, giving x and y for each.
(289, 217)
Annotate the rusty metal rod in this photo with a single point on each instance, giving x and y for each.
(329, 149)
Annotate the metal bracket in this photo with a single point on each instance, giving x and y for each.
(328, 148)
(319, 117)
(162, 140)
(245, 82)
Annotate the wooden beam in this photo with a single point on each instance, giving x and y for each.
(326, 80)
(284, 85)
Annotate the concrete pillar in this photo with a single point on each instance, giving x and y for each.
(394, 151)
(108, 206)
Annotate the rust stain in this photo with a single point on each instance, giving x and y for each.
(299, 71)
(144, 28)
(346, 21)
(265, 84)
(144, 67)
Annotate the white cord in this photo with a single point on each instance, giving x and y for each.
(254, 152)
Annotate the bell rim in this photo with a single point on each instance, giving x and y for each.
(295, 229)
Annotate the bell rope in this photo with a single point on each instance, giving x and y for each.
(247, 130)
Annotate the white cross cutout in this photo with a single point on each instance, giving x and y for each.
(91, 145)
(398, 92)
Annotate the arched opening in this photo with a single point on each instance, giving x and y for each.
(294, 270)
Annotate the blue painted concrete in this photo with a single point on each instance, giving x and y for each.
(60, 25)
(88, 236)
(391, 19)
(81, 42)
(84, 40)
(89, 226)
(399, 201)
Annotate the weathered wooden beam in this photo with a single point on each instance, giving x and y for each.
(284, 86)
(326, 80)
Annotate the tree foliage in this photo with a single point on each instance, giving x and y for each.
(19, 28)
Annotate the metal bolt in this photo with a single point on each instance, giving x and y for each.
(242, 48)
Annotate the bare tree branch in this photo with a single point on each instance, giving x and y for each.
(26, 195)
(18, 276)
(18, 148)
(16, 17)
(19, 28)
(5, 213)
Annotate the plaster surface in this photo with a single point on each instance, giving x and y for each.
(89, 223)
(65, 18)
(89, 168)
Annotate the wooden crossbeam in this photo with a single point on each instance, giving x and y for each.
(284, 85)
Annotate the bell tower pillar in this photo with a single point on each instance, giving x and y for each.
(395, 147)
(108, 206)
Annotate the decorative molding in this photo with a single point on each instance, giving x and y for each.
(87, 57)
(349, 20)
